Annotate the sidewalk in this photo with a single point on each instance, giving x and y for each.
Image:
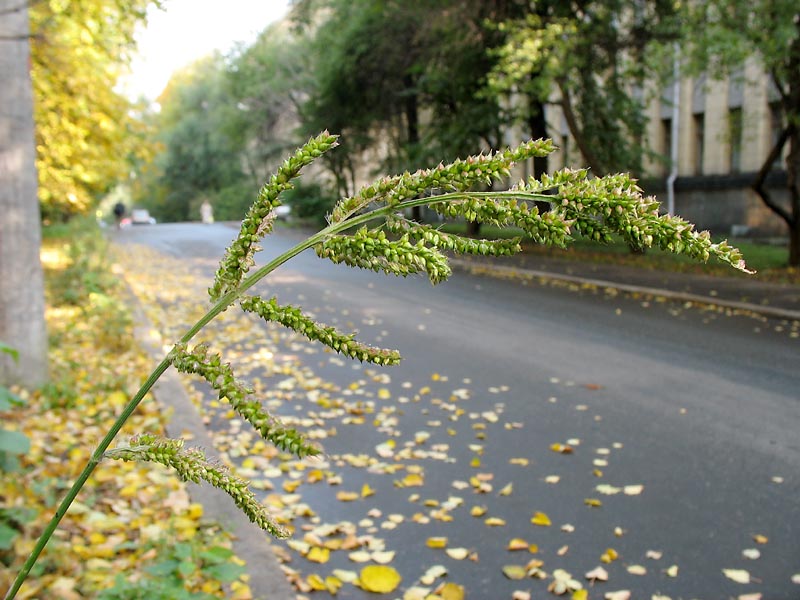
(780, 301)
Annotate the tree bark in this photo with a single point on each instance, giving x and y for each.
(22, 324)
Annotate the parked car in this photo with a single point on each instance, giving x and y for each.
(282, 212)
(140, 216)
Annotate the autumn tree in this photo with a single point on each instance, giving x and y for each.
(83, 124)
(721, 35)
(21, 284)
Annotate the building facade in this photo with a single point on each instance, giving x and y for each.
(725, 131)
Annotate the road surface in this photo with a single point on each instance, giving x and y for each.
(660, 442)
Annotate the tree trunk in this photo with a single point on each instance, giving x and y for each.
(412, 130)
(792, 216)
(793, 182)
(22, 323)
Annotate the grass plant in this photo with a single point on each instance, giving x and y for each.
(369, 230)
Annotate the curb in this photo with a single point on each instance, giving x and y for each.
(266, 579)
(766, 311)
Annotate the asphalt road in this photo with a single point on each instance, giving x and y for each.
(696, 411)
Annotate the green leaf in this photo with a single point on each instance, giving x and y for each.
(7, 536)
(186, 568)
(9, 399)
(216, 554)
(225, 572)
(14, 442)
(6, 349)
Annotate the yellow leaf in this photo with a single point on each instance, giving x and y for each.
(597, 574)
(506, 491)
(318, 554)
(541, 519)
(737, 575)
(760, 539)
(561, 448)
(451, 591)
(515, 571)
(290, 486)
(412, 480)
(478, 511)
(457, 553)
(517, 544)
(366, 491)
(360, 556)
(594, 502)
(436, 542)
(346, 496)
(316, 582)
(609, 556)
(580, 595)
(495, 522)
(384, 394)
(333, 584)
(379, 579)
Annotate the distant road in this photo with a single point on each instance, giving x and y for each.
(699, 408)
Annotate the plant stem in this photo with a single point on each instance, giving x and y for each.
(219, 307)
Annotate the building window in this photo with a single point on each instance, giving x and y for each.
(666, 136)
(735, 139)
(698, 145)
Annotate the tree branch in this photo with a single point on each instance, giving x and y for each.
(572, 122)
(758, 185)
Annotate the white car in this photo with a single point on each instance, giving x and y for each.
(140, 216)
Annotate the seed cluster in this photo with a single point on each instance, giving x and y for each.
(294, 319)
(372, 250)
(220, 375)
(459, 175)
(238, 258)
(192, 465)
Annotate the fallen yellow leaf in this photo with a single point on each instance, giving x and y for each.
(379, 579)
(517, 544)
(515, 571)
(318, 554)
(457, 553)
(541, 519)
(609, 556)
(451, 591)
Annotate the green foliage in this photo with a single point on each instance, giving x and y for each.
(596, 59)
(199, 157)
(177, 570)
(12, 443)
(310, 201)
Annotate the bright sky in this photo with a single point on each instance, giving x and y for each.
(189, 29)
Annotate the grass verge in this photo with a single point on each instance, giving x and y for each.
(769, 260)
(133, 533)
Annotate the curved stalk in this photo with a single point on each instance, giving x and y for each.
(219, 307)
